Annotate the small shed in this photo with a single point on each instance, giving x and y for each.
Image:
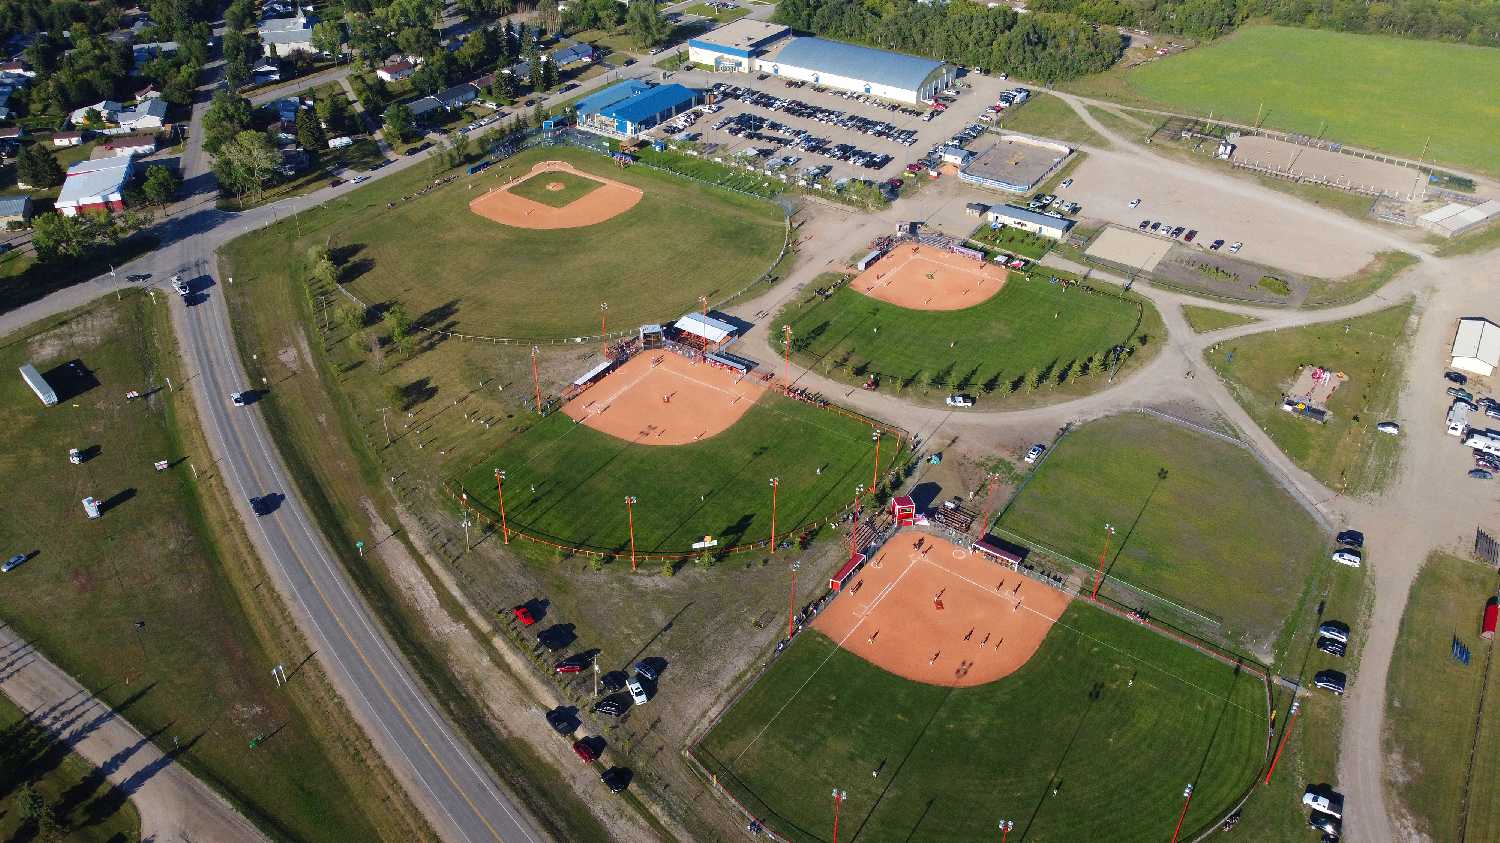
(903, 510)
(38, 384)
(976, 209)
(15, 210)
(1491, 615)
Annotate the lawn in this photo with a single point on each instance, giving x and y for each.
(714, 487)
(572, 187)
(1356, 89)
(1484, 811)
(454, 269)
(1347, 453)
(722, 16)
(1002, 346)
(1093, 739)
(1050, 117)
(86, 808)
(141, 605)
(1371, 277)
(1197, 520)
(1014, 241)
(1205, 319)
(1432, 700)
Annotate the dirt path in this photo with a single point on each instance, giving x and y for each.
(175, 807)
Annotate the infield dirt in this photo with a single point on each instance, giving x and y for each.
(662, 398)
(925, 278)
(611, 199)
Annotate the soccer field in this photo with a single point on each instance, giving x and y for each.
(1030, 329)
(718, 487)
(456, 270)
(1095, 738)
(1391, 94)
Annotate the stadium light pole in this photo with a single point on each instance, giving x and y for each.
(854, 527)
(1005, 827)
(875, 472)
(838, 799)
(1285, 733)
(989, 504)
(791, 605)
(500, 490)
(786, 342)
(630, 519)
(1187, 799)
(1109, 531)
(603, 334)
(703, 300)
(536, 380)
(775, 482)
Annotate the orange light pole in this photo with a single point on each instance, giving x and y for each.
(500, 490)
(1285, 733)
(703, 300)
(536, 380)
(854, 527)
(838, 799)
(1186, 801)
(1005, 827)
(786, 341)
(791, 603)
(1109, 531)
(603, 333)
(775, 481)
(989, 505)
(875, 472)
(630, 519)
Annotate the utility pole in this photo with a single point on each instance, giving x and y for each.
(1109, 530)
(786, 341)
(989, 504)
(465, 522)
(603, 332)
(1005, 827)
(838, 799)
(854, 527)
(1187, 799)
(875, 472)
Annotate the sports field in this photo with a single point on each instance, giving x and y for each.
(718, 486)
(1031, 329)
(556, 189)
(1094, 738)
(454, 269)
(1215, 534)
(1392, 94)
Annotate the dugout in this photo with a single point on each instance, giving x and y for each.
(734, 363)
(850, 568)
(652, 336)
(703, 332)
(997, 551)
(866, 261)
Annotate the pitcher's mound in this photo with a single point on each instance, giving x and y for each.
(608, 200)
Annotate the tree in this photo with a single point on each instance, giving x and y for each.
(428, 79)
(246, 164)
(645, 23)
(328, 37)
(62, 239)
(549, 75)
(161, 184)
(504, 89)
(417, 40)
(538, 74)
(547, 15)
(399, 123)
(333, 110)
(227, 116)
(35, 167)
(309, 131)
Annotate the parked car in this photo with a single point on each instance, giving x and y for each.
(1216, 245)
(75, 456)
(1188, 238)
(1145, 224)
(637, 691)
(615, 778)
(613, 681)
(1389, 427)
(1457, 377)
(561, 721)
(1035, 453)
(1330, 825)
(180, 286)
(1461, 394)
(613, 706)
(1345, 556)
(1351, 538)
(238, 399)
(1135, 203)
(523, 615)
(582, 749)
(1332, 647)
(1066, 183)
(12, 563)
(960, 400)
(1235, 247)
(1481, 474)
(1335, 630)
(646, 670)
(1331, 680)
(1324, 799)
(575, 663)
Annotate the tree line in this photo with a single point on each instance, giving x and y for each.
(1047, 47)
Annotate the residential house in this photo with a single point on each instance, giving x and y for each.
(146, 52)
(284, 36)
(395, 71)
(147, 93)
(572, 54)
(457, 96)
(95, 185)
(266, 71)
(142, 144)
(14, 210)
(150, 114)
(427, 109)
(108, 110)
(67, 138)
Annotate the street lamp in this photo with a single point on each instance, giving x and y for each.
(1109, 530)
(838, 799)
(775, 481)
(603, 334)
(630, 502)
(791, 604)
(1187, 799)
(1005, 827)
(500, 490)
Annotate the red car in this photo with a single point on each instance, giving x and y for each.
(584, 751)
(569, 668)
(523, 615)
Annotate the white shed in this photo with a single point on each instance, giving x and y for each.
(1476, 346)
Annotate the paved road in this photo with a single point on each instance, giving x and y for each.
(175, 807)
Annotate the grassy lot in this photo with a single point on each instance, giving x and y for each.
(1150, 479)
(1371, 277)
(722, 16)
(1205, 319)
(1050, 117)
(85, 807)
(1476, 241)
(1347, 453)
(573, 187)
(141, 604)
(582, 476)
(1002, 347)
(1115, 718)
(1014, 240)
(454, 269)
(1357, 89)
(1432, 701)
(1484, 812)
(360, 156)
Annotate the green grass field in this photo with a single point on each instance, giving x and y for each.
(456, 270)
(714, 487)
(1118, 719)
(1393, 94)
(1013, 240)
(1215, 534)
(1049, 117)
(1031, 329)
(573, 187)
(84, 807)
(1205, 319)
(139, 605)
(1347, 453)
(1432, 700)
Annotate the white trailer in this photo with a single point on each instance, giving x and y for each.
(1487, 441)
(38, 384)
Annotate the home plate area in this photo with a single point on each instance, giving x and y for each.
(930, 611)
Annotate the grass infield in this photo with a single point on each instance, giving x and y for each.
(717, 487)
(1216, 533)
(573, 187)
(1116, 719)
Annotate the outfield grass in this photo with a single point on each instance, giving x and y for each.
(1394, 94)
(1205, 319)
(1432, 701)
(573, 187)
(1032, 329)
(714, 487)
(456, 270)
(1216, 533)
(139, 604)
(1114, 717)
(1347, 453)
(85, 806)
(1049, 117)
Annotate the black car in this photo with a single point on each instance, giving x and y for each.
(614, 706)
(562, 721)
(1331, 646)
(1326, 823)
(1456, 377)
(616, 779)
(1331, 680)
(1145, 224)
(613, 681)
(1351, 538)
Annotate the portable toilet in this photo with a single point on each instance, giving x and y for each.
(91, 507)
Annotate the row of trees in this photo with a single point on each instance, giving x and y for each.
(1047, 47)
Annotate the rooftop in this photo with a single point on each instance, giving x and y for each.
(14, 206)
(1027, 215)
(97, 177)
(1016, 161)
(852, 61)
(648, 103)
(743, 34)
(707, 327)
(618, 92)
(1478, 338)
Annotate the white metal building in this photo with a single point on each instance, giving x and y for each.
(1476, 346)
(1029, 220)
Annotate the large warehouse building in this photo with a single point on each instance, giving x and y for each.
(752, 46)
(628, 108)
(1476, 346)
(1015, 163)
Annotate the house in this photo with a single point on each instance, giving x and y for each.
(95, 185)
(107, 110)
(395, 71)
(293, 161)
(12, 134)
(67, 139)
(14, 210)
(264, 72)
(146, 52)
(147, 93)
(284, 36)
(1476, 346)
(286, 109)
(457, 96)
(572, 54)
(426, 109)
(142, 144)
(150, 114)
(957, 155)
(5, 92)
(17, 67)
(520, 70)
